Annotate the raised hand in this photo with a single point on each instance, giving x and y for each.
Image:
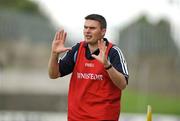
(102, 48)
(58, 42)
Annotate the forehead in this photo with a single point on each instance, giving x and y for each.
(91, 23)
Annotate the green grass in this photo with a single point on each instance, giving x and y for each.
(136, 102)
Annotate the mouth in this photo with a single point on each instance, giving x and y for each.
(88, 36)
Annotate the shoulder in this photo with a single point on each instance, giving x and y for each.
(75, 47)
(74, 51)
(114, 50)
(69, 54)
(118, 60)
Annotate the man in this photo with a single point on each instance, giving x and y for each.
(99, 72)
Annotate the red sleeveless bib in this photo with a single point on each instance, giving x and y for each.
(92, 94)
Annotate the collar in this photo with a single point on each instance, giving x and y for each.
(105, 39)
(96, 52)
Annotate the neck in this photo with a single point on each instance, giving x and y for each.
(93, 47)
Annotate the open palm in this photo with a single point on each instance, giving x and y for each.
(102, 48)
(58, 42)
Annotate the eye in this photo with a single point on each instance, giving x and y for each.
(85, 27)
(92, 28)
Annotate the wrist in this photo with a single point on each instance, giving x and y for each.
(108, 65)
(54, 54)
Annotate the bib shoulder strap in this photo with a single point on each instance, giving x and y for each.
(81, 44)
(110, 45)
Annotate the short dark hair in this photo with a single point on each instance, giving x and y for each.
(99, 18)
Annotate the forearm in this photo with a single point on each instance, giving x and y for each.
(117, 78)
(53, 66)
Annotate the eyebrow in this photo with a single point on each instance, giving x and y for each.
(89, 27)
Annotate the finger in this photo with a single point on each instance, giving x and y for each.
(105, 47)
(61, 34)
(56, 36)
(100, 44)
(68, 48)
(104, 42)
(64, 37)
(94, 56)
(97, 58)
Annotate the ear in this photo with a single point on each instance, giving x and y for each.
(103, 32)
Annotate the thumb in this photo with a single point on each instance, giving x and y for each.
(94, 56)
(68, 48)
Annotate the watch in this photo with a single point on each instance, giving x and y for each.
(108, 67)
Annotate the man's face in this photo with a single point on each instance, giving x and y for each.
(93, 31)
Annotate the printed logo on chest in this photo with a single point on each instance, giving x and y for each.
(90, 65)
(89, 76)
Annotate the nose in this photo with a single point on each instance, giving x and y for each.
(87, 30)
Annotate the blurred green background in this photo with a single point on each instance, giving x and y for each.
(26, 33)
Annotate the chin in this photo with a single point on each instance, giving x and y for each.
(88, 40)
